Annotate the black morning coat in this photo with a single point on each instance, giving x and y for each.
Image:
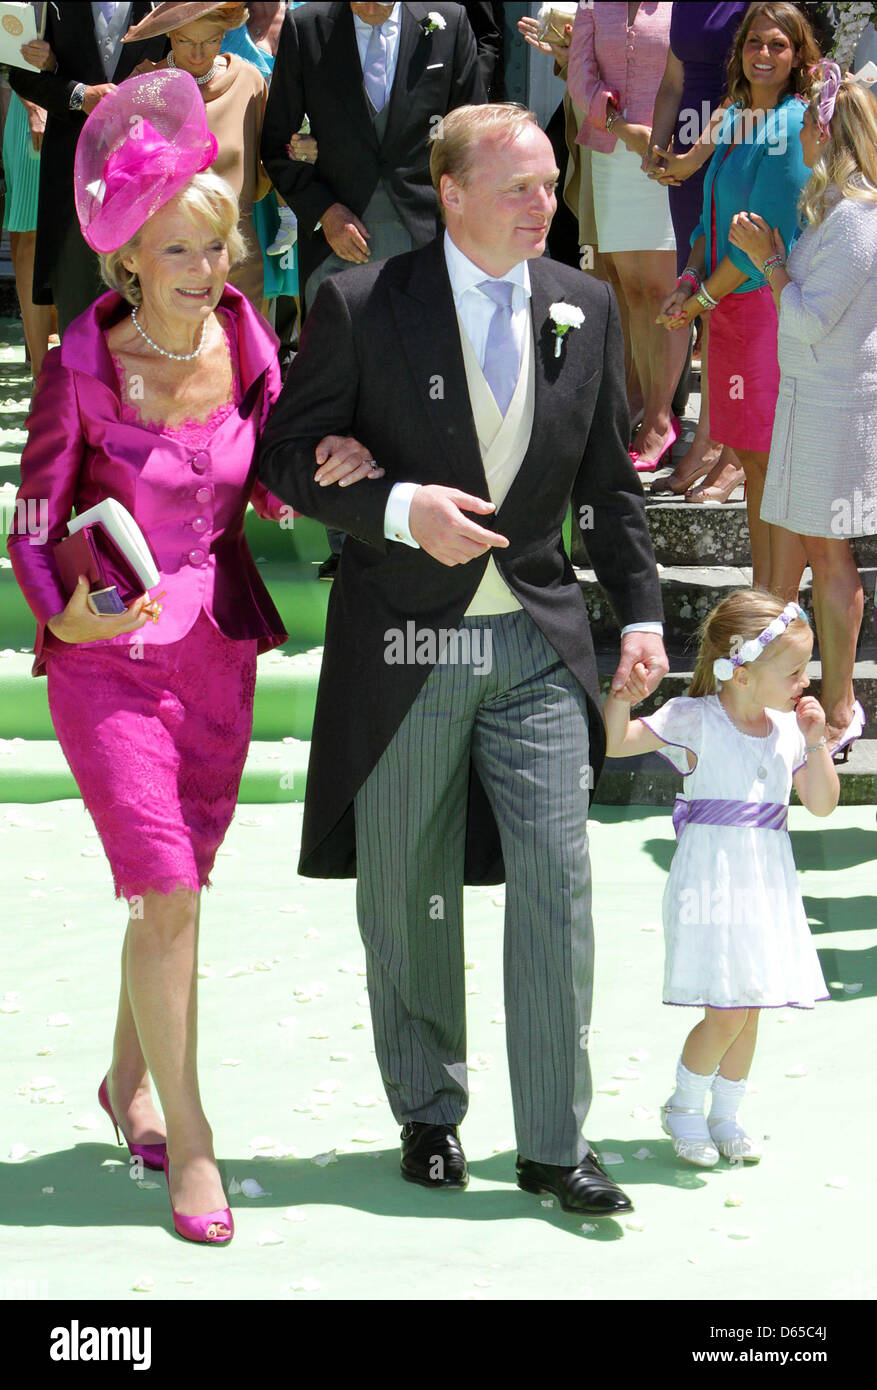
(381, 361)
(318, 72)
(69, 33)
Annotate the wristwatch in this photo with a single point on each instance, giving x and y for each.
(77, 96)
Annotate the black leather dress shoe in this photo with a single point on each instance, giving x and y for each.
(585, 1189)
(329, 568)
(432, 1156)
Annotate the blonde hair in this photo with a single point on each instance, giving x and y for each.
(740, 617)
(205, 198)
(849, 159)
(455, 137)
(797, 30)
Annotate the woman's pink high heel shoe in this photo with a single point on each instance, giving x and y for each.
(152, 1155)
(650, 465)
(198, 1227)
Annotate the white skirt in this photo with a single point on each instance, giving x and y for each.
(632, 211)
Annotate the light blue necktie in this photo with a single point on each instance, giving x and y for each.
(375, 70)
(108, 10)
(501, 358)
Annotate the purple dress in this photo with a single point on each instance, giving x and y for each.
(701, 37)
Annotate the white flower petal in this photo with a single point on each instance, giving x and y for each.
(366, 1136)
(234, 1188)
(644, 1153)
(20, 1151)
(636, 1223)
(852, 988)
(797, 1071)
(294, 1214)
(57, 1021)
(252, 1188)
(839, 1183)
(145, 1284)
(587, 1227)
(270, 1238)
(323, 1160)
(610, 1158)
(306, 1285)
(733, 1199)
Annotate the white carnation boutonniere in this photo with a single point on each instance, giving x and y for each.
(432, 22)
(563, 318)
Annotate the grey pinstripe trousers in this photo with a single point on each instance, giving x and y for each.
(523, 721)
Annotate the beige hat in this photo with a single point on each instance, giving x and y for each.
(165, 18)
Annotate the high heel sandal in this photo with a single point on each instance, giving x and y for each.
(649, 465)
(152, 1155)
(848, 737)
(715, 493)
(667, 484)
(197, 1228)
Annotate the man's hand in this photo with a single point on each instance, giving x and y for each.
(438, 523)
(345, 234)
(640, 647)
(343, 460)
(95, 94)
(39, 54)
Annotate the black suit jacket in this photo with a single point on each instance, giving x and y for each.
(381, 360)
(70, 34)
(318, 72)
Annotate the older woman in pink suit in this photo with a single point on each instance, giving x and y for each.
(157, 398)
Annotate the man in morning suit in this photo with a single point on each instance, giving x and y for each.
(458, 723)
(90, 61)
(373, 80)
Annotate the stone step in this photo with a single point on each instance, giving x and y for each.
(649, 780)
(33, 770)
(689, 593)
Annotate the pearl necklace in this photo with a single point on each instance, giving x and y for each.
(202, 81)
(177, 356)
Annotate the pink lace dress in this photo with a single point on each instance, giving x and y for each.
(157, 736)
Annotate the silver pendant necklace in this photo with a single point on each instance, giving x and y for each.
(202, 81)
(761, 772)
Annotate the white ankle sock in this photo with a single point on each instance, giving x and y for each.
(726, 1099)
(690, 1094)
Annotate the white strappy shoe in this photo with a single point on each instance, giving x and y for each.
(701, 1152)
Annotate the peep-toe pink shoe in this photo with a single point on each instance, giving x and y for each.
(198, 1227)
(152, 1155)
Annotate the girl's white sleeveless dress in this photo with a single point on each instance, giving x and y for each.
(735, 929)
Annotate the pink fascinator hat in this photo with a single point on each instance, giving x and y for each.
(139, 147)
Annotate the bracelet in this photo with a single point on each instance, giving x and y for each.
(816, 746)
(611, 118)
(704, 297)
(771, 265)
(690, 275)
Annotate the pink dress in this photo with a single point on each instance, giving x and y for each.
(157, 736)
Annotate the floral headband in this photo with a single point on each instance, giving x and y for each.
(832, 78)
(723, 666)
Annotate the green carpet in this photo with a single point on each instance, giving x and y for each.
(288, 1075)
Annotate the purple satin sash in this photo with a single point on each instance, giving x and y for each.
(767, 815)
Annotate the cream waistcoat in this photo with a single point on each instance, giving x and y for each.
(504, 441)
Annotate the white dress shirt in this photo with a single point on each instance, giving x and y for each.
(476, 310)
(391, 28)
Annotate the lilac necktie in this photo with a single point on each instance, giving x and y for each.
(108, 10)
(375, 70)
(501, 358)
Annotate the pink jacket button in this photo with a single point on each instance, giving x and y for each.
(200, 524)
(200, 462)
(197, 557)
(202, 495)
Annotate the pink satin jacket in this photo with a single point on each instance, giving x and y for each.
(189, 505)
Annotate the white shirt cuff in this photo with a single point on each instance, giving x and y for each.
(643, 627)
(396, 514)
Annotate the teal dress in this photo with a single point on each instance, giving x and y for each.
(765, 174)
(21, 164)
(280, 272)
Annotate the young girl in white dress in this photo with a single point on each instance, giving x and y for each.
(735, 929)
